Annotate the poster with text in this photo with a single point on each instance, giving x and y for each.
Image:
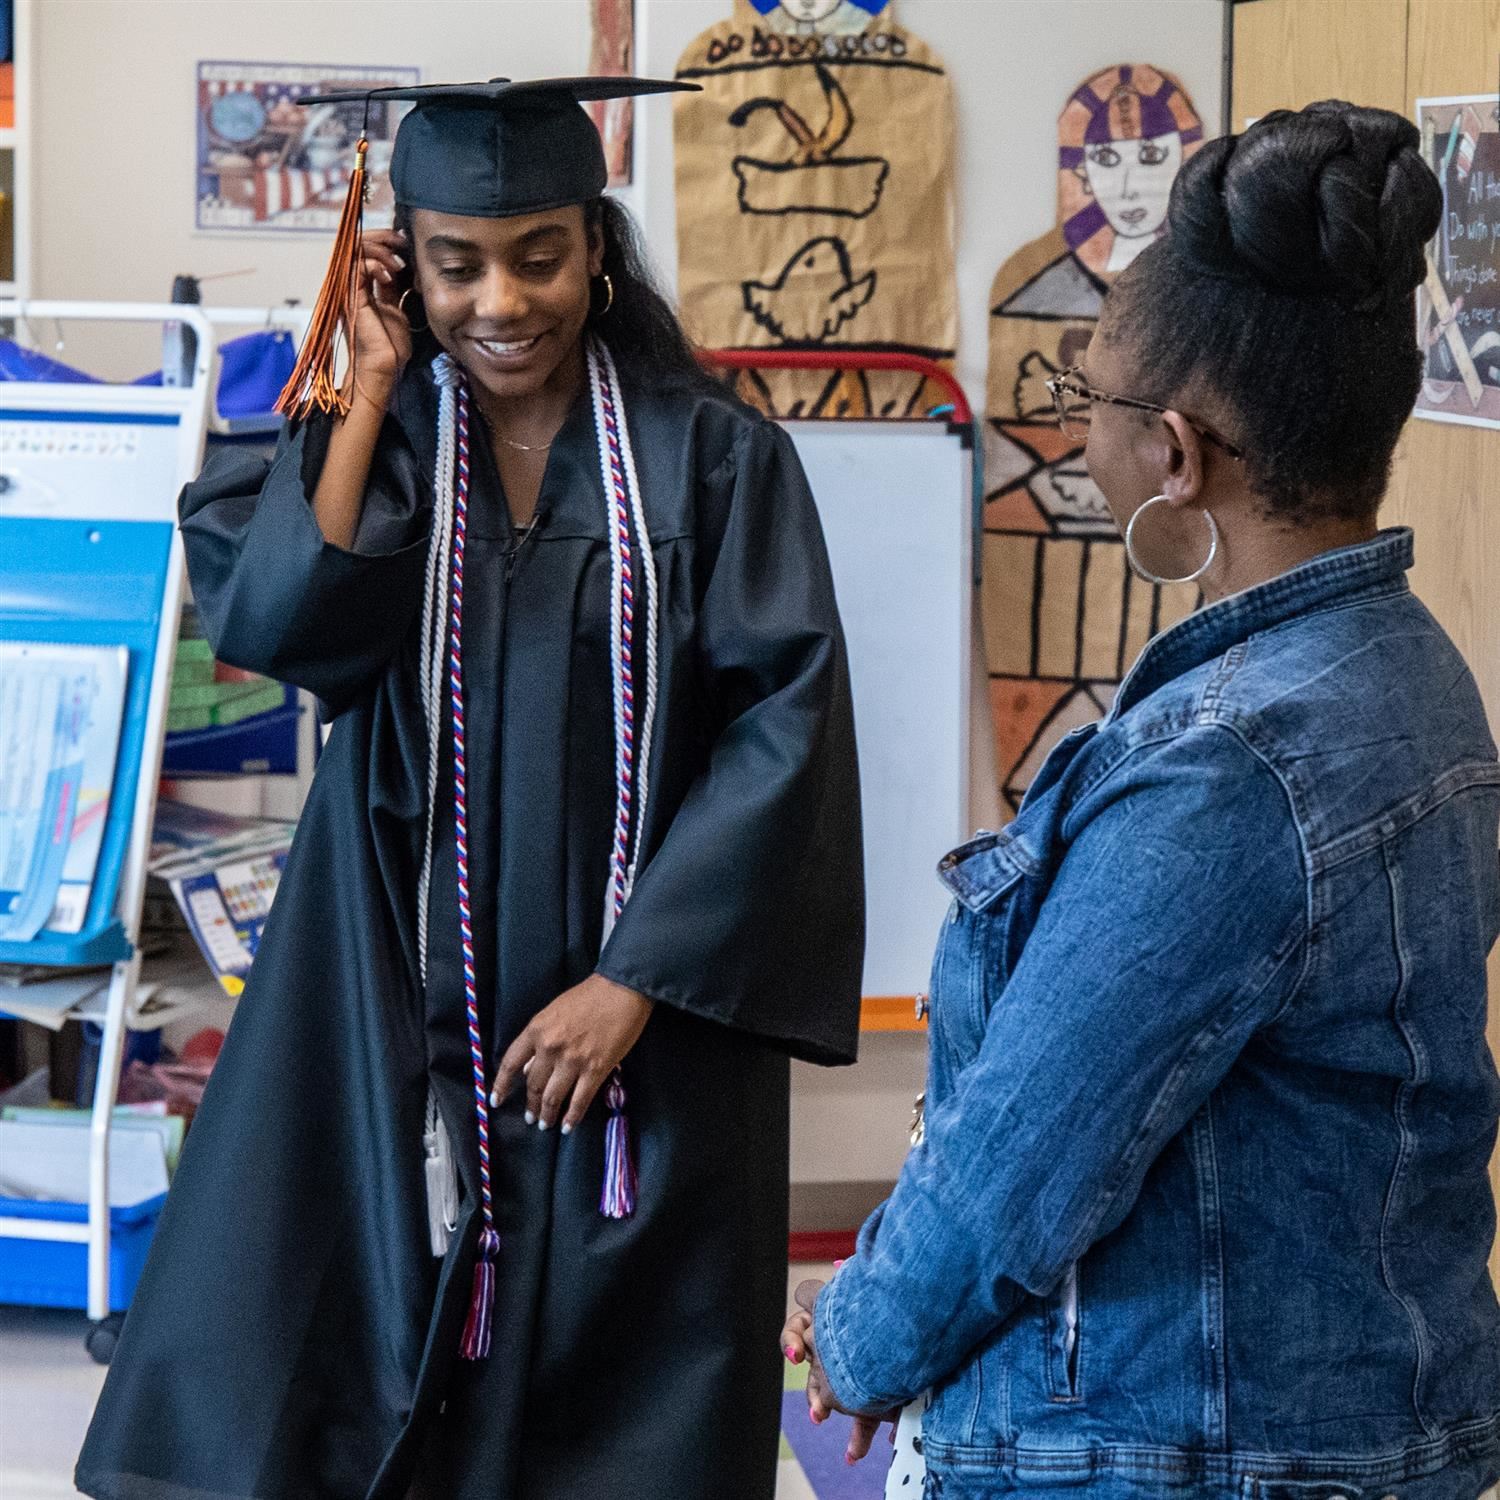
(267, 163)
(1064, 615)
(1458, 306)
(815, 200)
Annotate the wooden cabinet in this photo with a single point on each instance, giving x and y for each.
(1446, 483)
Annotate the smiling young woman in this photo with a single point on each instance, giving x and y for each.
(507, 1095)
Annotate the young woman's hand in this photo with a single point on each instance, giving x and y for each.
(798, 1344)
(569, 1050)
(382, 336)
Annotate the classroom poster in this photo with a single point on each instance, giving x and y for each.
(1064, 616)
(1458, 307)
(267, 163)
(612, 47)
(815, 199)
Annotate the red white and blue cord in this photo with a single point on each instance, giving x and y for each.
(630, 548)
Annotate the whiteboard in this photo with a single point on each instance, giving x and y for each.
(896, 502)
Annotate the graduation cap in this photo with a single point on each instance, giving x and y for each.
(483, 150)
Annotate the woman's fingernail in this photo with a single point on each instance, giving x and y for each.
(849, 1458)
(530, 1118)
(541, 1125)
(567, 1129)
(494, 1101)
(400, 262)
(791, 1353)
(838, 1265)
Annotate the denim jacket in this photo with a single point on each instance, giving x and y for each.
(1202, 1208)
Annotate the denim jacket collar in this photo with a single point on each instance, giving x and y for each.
(1374, 567)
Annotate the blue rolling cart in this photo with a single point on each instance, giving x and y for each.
(90, 555)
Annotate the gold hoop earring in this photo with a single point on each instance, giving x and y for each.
(401, 308)
(609, 294)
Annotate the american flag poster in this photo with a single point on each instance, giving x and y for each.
(267, 163)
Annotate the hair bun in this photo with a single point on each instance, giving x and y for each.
(1332, 200)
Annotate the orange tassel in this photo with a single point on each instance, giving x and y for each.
(312, 386)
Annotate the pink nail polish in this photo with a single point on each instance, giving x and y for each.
(849, 1458)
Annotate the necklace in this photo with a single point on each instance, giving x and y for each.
(526, 447)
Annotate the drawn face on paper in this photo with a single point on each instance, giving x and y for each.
(1132, 180)
(810, 12)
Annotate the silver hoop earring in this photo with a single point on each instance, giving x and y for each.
(1146, 573)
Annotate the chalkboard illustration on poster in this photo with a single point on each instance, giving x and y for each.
(1064, 616)
(815, 201)
(1458, 307)
(266, 162)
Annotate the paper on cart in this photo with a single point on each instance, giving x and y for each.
(50, 1163)
(60, 713)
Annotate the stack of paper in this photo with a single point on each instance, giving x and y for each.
(60, 713)
(50, 1162)
(224, 872)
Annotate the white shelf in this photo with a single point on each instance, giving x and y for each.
(8, 289)
(7, 138)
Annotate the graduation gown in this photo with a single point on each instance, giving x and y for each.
(293, 1335)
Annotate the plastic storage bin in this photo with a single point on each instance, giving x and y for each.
(54, 1273)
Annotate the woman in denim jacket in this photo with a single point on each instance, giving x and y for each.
(1202, 1209)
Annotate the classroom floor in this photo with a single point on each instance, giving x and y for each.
(48, 1386)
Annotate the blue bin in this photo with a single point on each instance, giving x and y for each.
(55, 1273)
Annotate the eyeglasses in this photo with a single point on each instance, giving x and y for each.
(1073, 398)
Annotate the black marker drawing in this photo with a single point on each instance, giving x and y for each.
(816, 293)
(812, 180)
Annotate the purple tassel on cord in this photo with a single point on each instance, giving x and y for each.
(476, 1344)
(618, 1199)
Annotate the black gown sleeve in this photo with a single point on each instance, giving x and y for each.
(274, 596)
(751, 911)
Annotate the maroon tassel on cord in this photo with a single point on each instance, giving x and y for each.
(618, 1200)
(476, 1344)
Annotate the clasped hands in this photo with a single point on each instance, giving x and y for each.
(799, 1344)
(567, 1052)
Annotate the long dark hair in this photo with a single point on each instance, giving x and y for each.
(1284, 290)
(640, 325)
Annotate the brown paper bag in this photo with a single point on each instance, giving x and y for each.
(1064, 615)
(815, 199)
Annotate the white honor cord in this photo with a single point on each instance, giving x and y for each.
(616, 591)
(603, 375)
(434, 622)
(441, 1171)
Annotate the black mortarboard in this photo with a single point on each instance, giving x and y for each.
(490, 150)
(479, 150)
